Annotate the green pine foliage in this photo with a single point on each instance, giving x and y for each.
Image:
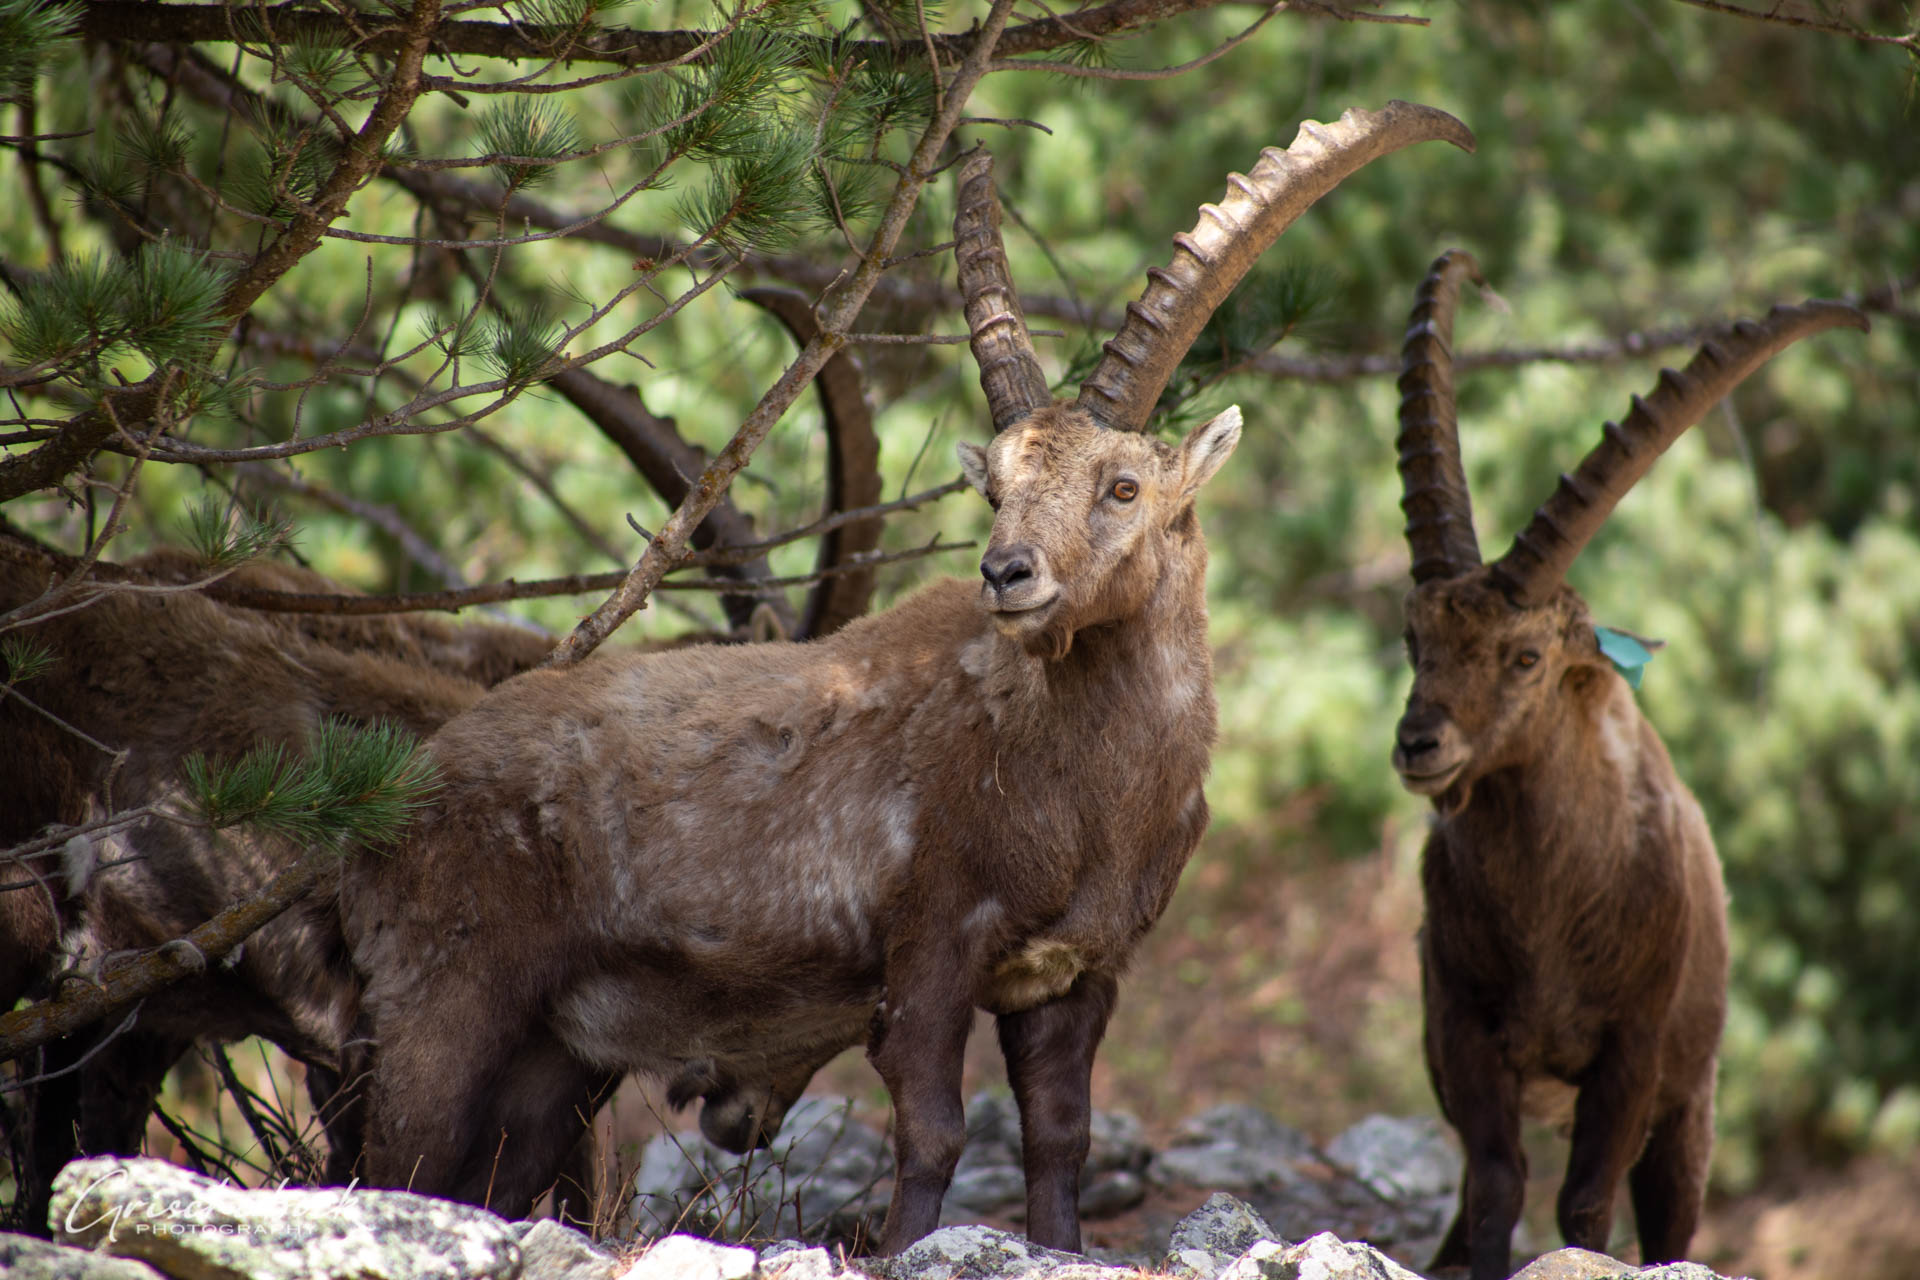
(163, 304)
(517, 345)
(353, 785)
(22, 659)
(536, 128)
(222, 535)
(29, 32)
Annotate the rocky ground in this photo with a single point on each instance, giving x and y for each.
(801, 1211)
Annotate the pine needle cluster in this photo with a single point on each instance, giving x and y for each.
(28, 31)
(22, 660)
(352, 786)
(163, 303)
(222, 535)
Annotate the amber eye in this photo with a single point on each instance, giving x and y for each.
(1527, 658)
(1125, 490)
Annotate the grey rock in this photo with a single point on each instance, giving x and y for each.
(791, 1260)
(1243, 1126)
(1399, 1157)
(1104, 1194)
(1208, 1240)
(984, 1188)
(982, 1253)
(990, 1176)
(551, 1251)
(1118, 1143)
(1323, 1257)
(681, 1257)
(31, 1258)
(993, 1131)
(817, 1179)
(189, 1226)
(1678, 1271)
(1574, 1264)
(1234, 1148)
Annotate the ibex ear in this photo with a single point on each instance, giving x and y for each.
(973, 462)
(1202, 452)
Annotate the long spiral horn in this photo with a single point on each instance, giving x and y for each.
(1433, 482)
(1230, 237)
(1010, 372)
(1545, 549)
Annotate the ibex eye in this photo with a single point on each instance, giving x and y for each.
(1527, 658)
(1125, 490)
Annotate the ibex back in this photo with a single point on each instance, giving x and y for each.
(723, 868)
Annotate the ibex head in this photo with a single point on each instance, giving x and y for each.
(1495, 646)
(1085, 519)
(1087, 508)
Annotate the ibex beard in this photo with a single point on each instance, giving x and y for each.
(721, 868)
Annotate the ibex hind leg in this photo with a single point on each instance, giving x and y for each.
(536, 1114)
(1669, 1180)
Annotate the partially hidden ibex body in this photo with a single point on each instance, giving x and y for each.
(724, 867)
(1575, 943)
(143, 677)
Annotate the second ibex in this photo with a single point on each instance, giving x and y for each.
(1575, 945)
(722, 867)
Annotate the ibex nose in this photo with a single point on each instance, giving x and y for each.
(1415, 743)
(1004, 567)
(1418, 733)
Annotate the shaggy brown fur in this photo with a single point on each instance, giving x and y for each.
(728, 865)
(1575, 947)
(162, 675)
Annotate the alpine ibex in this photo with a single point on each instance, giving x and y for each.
(1575, 944)
(158, 675)
(728, 865)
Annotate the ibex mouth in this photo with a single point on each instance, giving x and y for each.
(1000, 604)
(1430, 782)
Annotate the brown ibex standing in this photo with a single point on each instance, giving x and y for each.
(728, 865)
(1575, 940)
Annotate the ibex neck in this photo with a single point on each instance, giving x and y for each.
(1151, 670)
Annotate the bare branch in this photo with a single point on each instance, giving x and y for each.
(1782, 16)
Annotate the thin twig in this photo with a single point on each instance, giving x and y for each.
(1777, 15)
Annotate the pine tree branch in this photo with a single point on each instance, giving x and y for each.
(143, 21)
(841, 308)
(81, 438)
(359, 161)
(667, 462)
(342, 605)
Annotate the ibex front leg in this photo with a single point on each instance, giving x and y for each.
(918, 1043)
(1049, 1052)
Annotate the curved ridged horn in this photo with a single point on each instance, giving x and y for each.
(1432, 481)
(1545, 549)
(1230, 237)
(1010, 372)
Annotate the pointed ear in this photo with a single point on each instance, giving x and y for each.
(1202, 452)
(973, 463)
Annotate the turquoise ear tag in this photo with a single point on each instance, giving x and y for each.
(1627, 654)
